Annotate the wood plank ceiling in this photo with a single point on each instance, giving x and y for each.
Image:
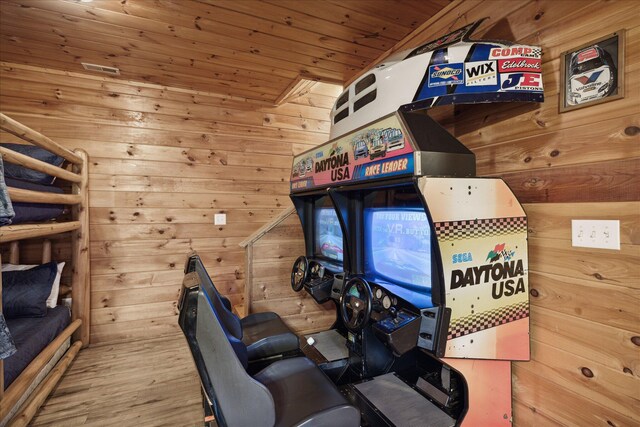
(252, 49)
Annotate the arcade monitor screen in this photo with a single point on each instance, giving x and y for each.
(397, 239)
(328, 242)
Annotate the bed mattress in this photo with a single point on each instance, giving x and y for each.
(31, 336)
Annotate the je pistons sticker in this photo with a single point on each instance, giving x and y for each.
(446, 74)
(521, 81)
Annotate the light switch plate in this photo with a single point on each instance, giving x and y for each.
(601, 234)
(220, 219)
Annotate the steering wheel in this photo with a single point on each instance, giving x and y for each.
(355, 304)
(299, 273)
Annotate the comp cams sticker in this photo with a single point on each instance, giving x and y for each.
(515, 52)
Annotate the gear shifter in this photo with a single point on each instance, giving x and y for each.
(393, 312)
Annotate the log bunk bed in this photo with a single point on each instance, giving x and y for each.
(21, 399)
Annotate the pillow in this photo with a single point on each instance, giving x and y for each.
(25, 293)
(21, 172)
(52, 301)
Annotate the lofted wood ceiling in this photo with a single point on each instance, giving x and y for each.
(252, 49)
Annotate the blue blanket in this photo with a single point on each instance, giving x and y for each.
(6, 209)
(31, 335)
(7, 346)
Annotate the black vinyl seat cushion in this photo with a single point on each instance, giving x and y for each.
(299, 388)
(266, 335)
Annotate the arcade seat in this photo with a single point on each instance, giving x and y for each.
(264, 334)
(289, 392)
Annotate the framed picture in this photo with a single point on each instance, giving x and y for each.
(592, 73)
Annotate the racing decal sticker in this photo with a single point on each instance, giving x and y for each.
(481, 73)
(521, 81)
(519, 64)
(378, 150)
(587, 54)
(515, 52)
(446, 74)
(586, 79)
(590, 86)
(492, 73)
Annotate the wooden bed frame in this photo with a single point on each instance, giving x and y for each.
(22, 388)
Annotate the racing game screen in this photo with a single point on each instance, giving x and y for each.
(398, 245)
(327, 232)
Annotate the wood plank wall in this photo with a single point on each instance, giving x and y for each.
(269, 281)
(580, 164)
(163, 161)
(585, 322)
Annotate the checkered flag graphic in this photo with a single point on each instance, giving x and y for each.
(488, 319)
(470, 229)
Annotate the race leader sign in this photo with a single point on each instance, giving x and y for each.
(379, 150)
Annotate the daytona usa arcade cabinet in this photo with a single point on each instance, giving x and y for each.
(433, 291)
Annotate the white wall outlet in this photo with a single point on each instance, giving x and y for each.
(220, 219)
(601, 234)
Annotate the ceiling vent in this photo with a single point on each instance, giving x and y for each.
(101, 69)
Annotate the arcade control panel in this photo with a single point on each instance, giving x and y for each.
(401, 326)
(323, 284)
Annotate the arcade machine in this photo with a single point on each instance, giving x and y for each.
(428, 267)
(321, 272)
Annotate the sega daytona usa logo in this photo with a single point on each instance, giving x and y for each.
(503, 272)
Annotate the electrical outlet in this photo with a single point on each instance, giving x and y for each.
(220, 219)
(601, 234)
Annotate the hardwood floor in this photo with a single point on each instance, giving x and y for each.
(144, 383)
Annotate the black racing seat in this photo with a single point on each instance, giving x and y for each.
(289, 392)
(264, 334)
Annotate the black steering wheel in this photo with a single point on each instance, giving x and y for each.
(299, 273)
(355, 304)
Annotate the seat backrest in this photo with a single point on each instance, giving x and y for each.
(241, 399)
(230, 320)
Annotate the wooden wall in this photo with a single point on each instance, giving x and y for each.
(585, 321)
(163, 161)
(269, 279)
